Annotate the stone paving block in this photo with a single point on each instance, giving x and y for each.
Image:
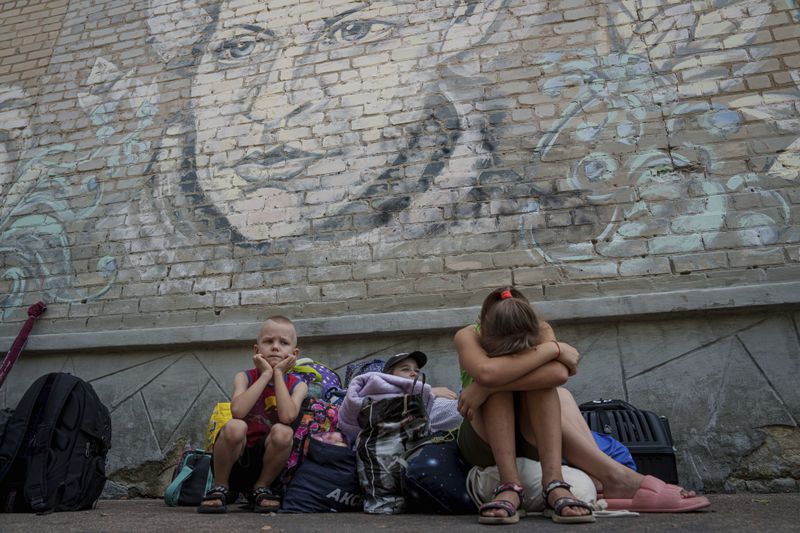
(646, 345)
(224, 363)
(172, 394)
(132, 441)
(117, 386)
(715, 400)
(600, 369)
(27, 370)
(773, 345)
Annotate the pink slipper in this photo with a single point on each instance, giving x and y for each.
(655, 496)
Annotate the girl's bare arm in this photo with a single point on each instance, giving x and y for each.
(499, 371)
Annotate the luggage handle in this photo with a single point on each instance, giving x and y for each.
(34, 312)
(606, 405)
(413, 390)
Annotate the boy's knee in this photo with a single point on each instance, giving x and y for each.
(234, 430)
(281, 435)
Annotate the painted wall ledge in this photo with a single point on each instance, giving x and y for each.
(637, 306)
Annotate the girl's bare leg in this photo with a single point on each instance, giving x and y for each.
(541, 426)
(494, 423)
(580, 449)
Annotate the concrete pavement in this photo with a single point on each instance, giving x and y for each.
(738, 512)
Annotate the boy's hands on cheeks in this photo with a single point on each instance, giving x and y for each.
(569, 357)
(286, 364)
(260, 362)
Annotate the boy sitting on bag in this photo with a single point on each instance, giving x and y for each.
(251, 450)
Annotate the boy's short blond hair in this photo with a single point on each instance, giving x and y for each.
(278, 319)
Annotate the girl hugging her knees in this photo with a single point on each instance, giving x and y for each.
(511, 369)
(511, 365)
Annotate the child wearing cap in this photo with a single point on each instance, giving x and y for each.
(408, 365)
(444, 414)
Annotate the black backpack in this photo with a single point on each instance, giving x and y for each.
(53, 451)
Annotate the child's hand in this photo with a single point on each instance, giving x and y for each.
(286, 364)
(262, 365)
(444, 392)
(471, 399)
(569, 357)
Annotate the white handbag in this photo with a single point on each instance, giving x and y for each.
(482, 481)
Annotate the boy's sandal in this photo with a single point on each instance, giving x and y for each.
(262, 494)
(215, 493)
(554, 511)
(513, 512)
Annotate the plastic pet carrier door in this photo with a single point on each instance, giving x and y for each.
(646, 434)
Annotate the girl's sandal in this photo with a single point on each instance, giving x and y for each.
(554, 511)
(513, 512)
(261, 494)
(217, 492)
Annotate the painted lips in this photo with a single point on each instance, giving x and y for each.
(280, 163)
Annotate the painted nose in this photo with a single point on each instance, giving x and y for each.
(283, 98)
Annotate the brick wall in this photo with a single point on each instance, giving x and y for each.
(172, 172)
(174, 163)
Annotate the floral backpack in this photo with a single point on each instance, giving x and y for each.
(318, 416)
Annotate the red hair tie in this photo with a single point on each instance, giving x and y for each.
(506, 294)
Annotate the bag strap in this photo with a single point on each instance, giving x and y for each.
(34, 312)
(414, 383)
(173, 491)
(17, 427)
(413, 391)
(440, 437)
(210, 477)
(36, 489)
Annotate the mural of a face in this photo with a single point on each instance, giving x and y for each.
(306, 120)
(295, 120)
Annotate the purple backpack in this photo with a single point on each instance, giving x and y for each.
(362, 367)
(320, 384)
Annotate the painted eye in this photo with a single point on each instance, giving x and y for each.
(238, 47)
(354, 31)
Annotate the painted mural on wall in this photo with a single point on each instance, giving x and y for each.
(386, 121)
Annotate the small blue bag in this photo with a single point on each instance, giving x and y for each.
(614, 449)
(191, 479)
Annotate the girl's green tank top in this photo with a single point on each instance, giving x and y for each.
(466, 379)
